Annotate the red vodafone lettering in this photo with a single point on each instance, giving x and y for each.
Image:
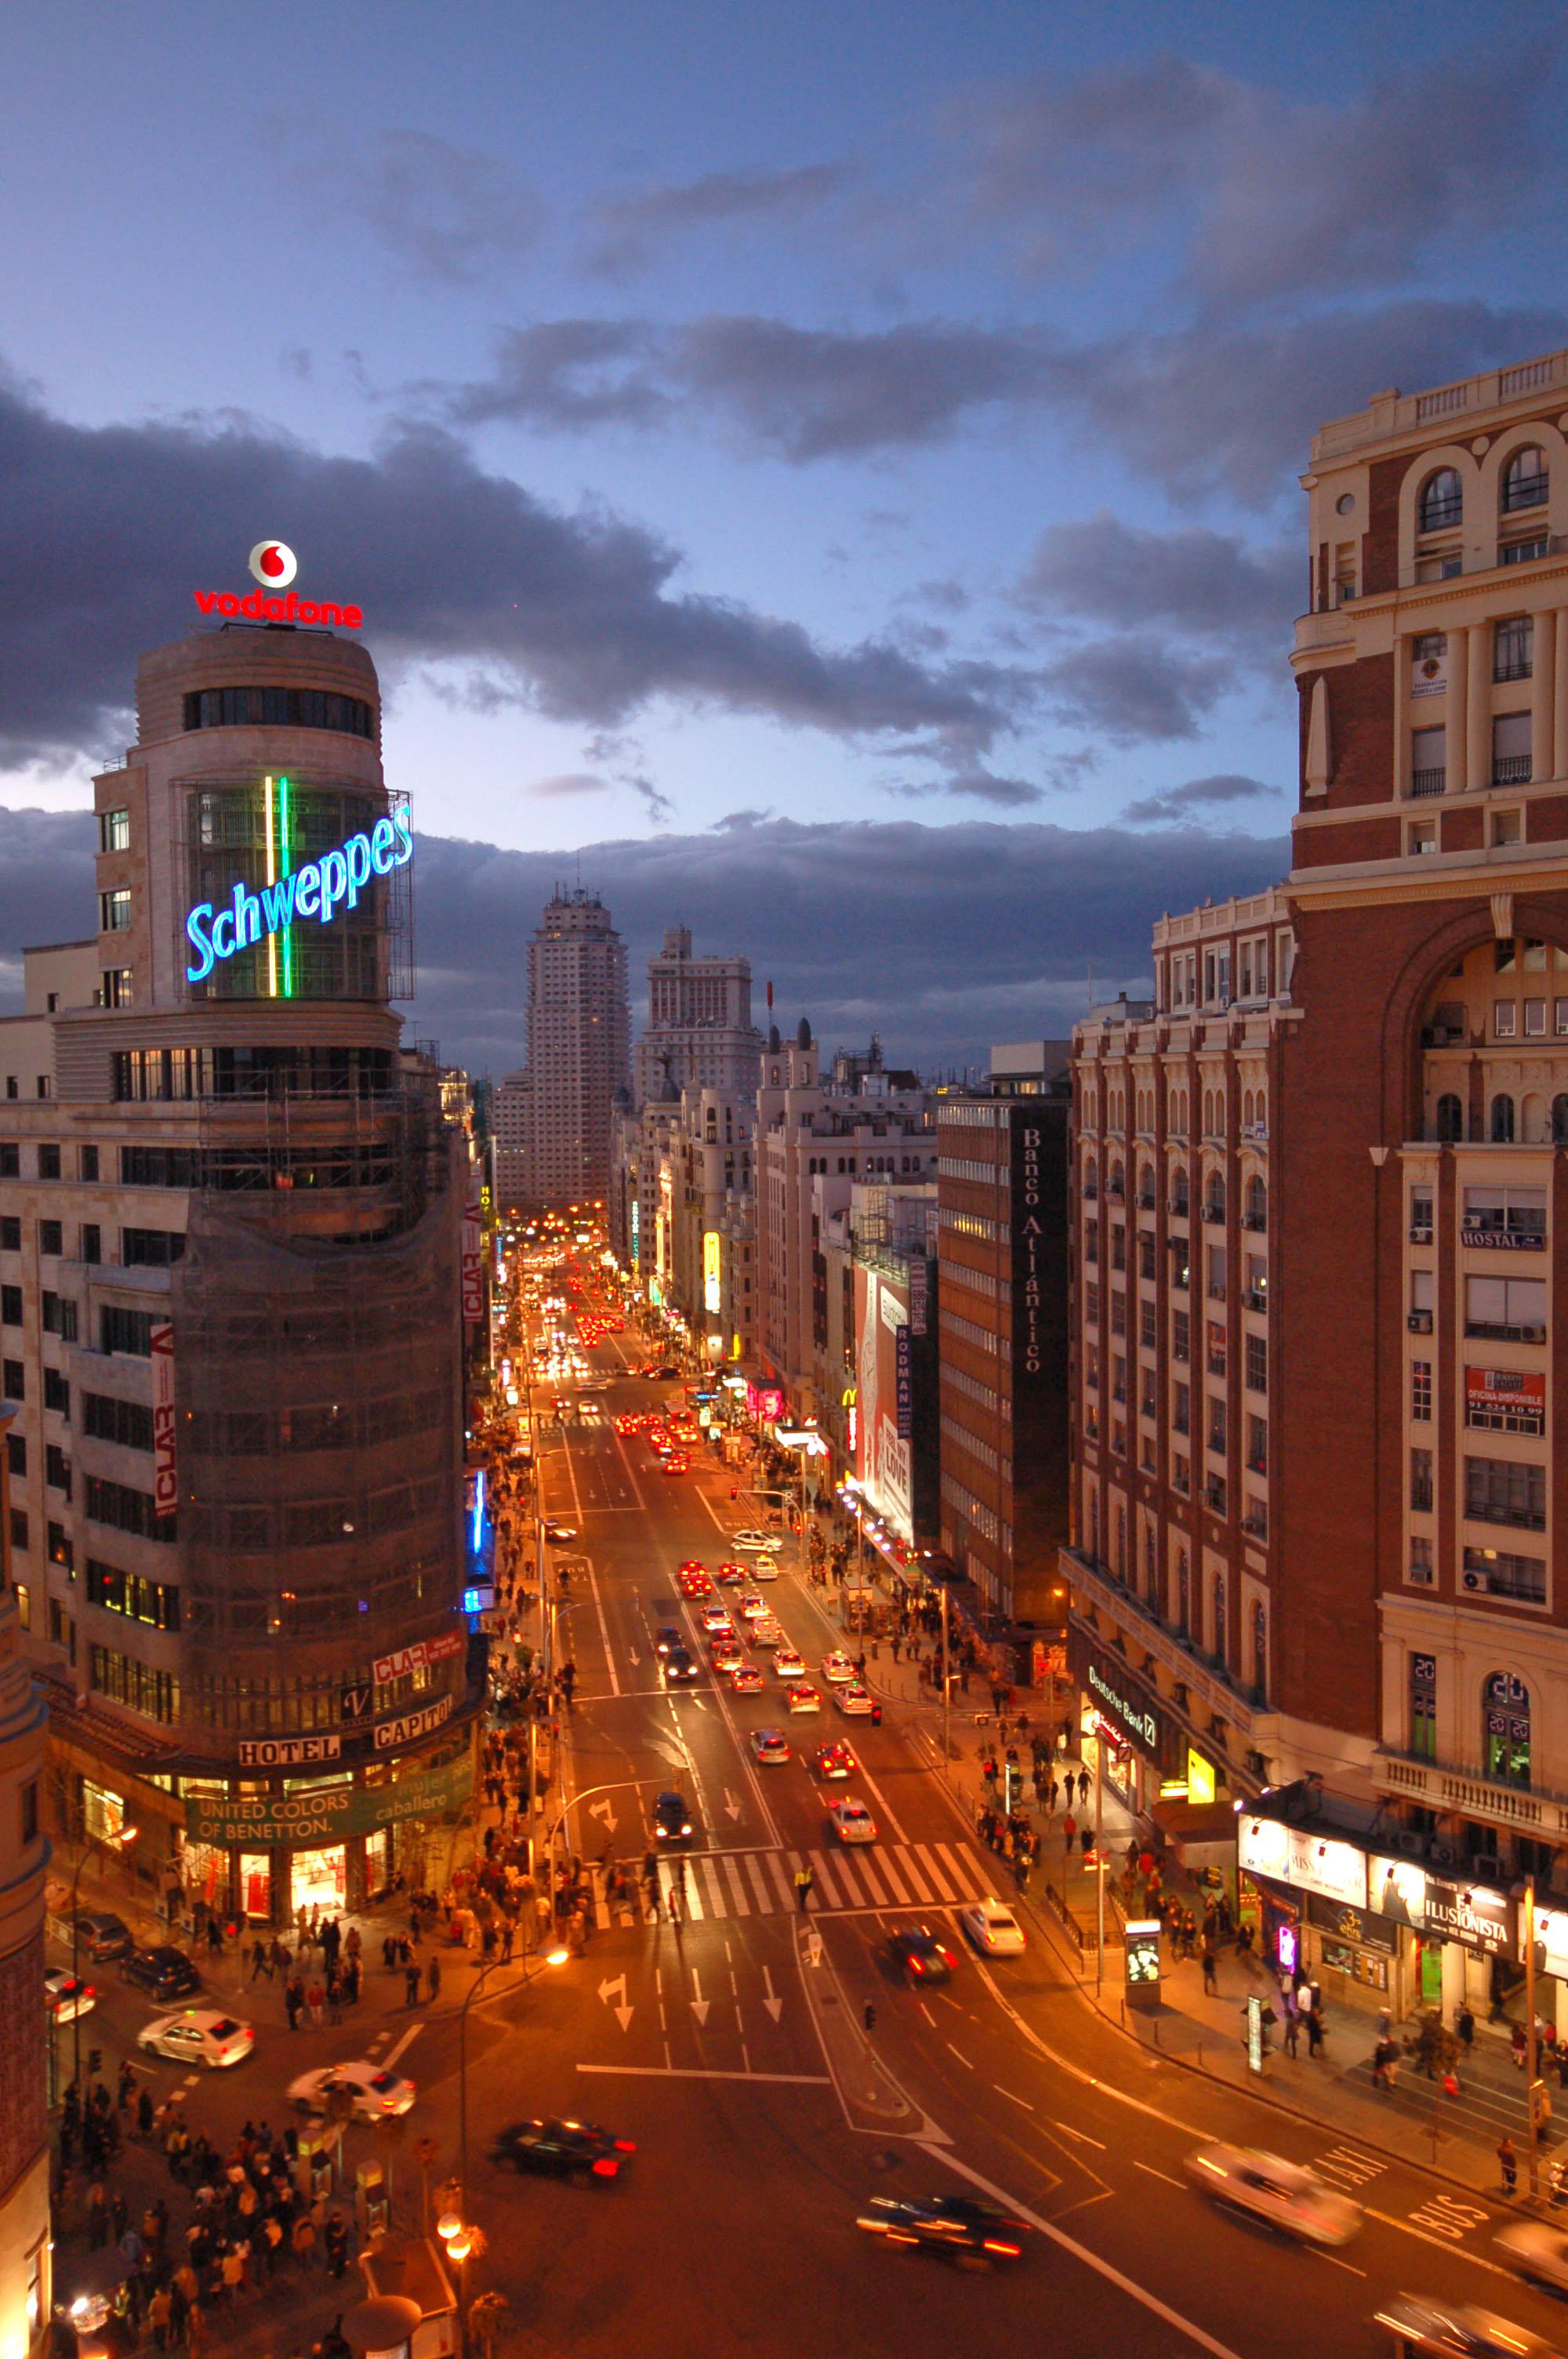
(258, 606)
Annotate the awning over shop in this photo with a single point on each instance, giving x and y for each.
(1201, 1834)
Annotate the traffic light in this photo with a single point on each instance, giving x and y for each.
(869, 2016)
(95, 2062)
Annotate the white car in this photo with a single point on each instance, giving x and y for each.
(992, 1927)
(1538, 2251)
(560, 1534)
(1420, 2325)
(374, 2090)
(752, 1541)
(198, 2035)
(855, 1697)
(851, 1821)
(769, 1744)
(837, 1668)
(789, 1663)
(765, 1568)
(766, 1631)
(1282, 2193)
(66, 1996)
(801, 1696)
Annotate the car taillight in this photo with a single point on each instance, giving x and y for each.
(949, 1960)
(626, 2146)
(88, 1991)
(917, 1965)
(994, 2244)
(606, 2167)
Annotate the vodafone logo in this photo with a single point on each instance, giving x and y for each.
(274, 564)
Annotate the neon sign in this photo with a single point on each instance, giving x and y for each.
(273, 565)
(319, 889)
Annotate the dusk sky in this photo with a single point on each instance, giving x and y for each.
(778, 450)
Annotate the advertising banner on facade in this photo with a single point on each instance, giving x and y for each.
(166, 1471)
(918, 1293)
(882, 1460)
(473, 1255)
(711, 1269)
(331, 1812)
(904, 1379)
(1493, 1394)
(1311, 1862)
(418, 1656)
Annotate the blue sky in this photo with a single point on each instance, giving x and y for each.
(840, 414)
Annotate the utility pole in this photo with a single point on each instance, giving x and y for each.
(1099, 1863)
(1537, 2087)
(946, 1695)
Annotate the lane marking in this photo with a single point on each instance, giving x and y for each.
(1082, 2136)
(959, 2054)
(708, 2072)
(1159, 2174)
(1441, 2244)
(1336, 2263)
(603, 1629)
(392, 2055)
(1014, 2095)
(1141, 2294)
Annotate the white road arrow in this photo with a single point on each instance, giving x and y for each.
(601, 1810)
(634, 1656)
(699, 2005)
(622, 2012)
(772, 2001)
(730, 1803)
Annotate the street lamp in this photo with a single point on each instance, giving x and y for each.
(552, 1957)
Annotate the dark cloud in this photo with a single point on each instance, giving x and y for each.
(577, 615)
(451, 215)
(1201, 583)
(1272, 195)
(1201, 409)
(628, 228)
(978, 785)
(1185, 805)
(1136, 686)
(944, 938)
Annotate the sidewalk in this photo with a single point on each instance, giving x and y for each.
(1204, 2032)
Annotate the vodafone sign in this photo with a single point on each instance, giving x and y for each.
(273, 565)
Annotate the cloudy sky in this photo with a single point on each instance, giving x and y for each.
(834, 464)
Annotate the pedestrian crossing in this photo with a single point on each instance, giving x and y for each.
(762, 1883)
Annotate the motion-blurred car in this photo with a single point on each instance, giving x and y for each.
(754, 1608)
(675, 1464)
(766, 1631)
(694, 1585)
(801, 1696)
(725, 1655)
(198, 2035)
(789, 1663)
(855, 1698)
(715, 1621)
(672, 1819)
(373, 2091)
(753, 1541)
(668, 1637)
(1538, 2250)
(992, 1928)
(765, 1568)
(964, 2225)
(66, 1996)
(731, 1575)
(834, 1760)
(100, 1934)
(769, 1744)
(580, 2150)
(1285, 2195)
(918, 1954)
(851, 1821)
(679, 1669)
(747, 1679)
(1457, 2330)
(165, 1972)
(837, 1668)
(560, 1534)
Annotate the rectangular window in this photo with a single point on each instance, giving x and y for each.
(14, 1379)
(1149, 1325)
(1257, 1445)
(114, 911)
(1506, 1491)
(1507, 1215)
(155, 1694)
(1513, 647)
(114, 830)
(156, 1603)
(1421, 1482)
(1429, 761)
(10, 1234)
(1218, 1426)
(1497, 1573)
(1424, 1707)
(1181, 1336)
(130, 1423)
(1182, 1407)
(1510, 749)
(60, 1317)
(17, 1453)
(51, 1237)
(125, 1331)
(1535, 1019)
(150, 1248)
(1505, 1019)
(60, 1548)
(19, 1528)
(1118, 1314)
(1421, 1391)
(92, 1242)
(10, 1306)
(1509, 1310)
(1422, 1572)
(57, 1393)
(10, 1157)
(125, 1510)
(1214, 1356)
(87, 1163)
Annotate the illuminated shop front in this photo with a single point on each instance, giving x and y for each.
(1124, 1734)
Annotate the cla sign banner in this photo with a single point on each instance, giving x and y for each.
(473, 1254)
(418, 1656)
(165, 1478)
(316, 890)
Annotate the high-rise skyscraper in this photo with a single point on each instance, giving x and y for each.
(579, 1033)
(699, 1023)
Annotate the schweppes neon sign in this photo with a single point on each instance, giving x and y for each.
(317, 891)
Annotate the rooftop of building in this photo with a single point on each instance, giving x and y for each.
(1391, 416)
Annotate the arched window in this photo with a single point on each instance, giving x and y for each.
(1213, 1197)
(1116, 1184)
(1220, 1615)
(1247, 1109)
(1146, 1187)
(1525, 480)
(1450, 1119)
(1259, 1646)
(1094, 1526)
(1183, 1593)
(1559, 1122)
(1091, 1178)
(1441, 500)
(1257, 1204)
(1180, 1200)
(1502, 1120)
(1119, 1567)
(1505, 1729)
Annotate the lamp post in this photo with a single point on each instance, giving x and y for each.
(122, 1839)
(552, 1957)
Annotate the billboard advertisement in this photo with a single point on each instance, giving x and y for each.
(881, 1449)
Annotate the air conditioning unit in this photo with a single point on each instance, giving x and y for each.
(1411, 1843)
(1419, 1322)
(1486, 1867)
(1441, 1854)
(1474, 1580)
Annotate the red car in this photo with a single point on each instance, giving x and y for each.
(694, 1585)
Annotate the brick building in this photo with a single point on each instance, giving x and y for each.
(1321, 1327)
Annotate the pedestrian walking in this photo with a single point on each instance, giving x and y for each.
(1507, 2162)
(804, 1880)
(1083, 1787)
(411, 1985)
(433, 1974)
(1210, 1967)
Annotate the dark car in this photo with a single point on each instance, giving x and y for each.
(668, 1636)
(679, 1667)
(569, 2149)
(98, 1934)
(671, 1820)
(921, 1956)
(960, 2225)
(165, 1972)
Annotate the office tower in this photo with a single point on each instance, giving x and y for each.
(577, 1034)
(699, 1028)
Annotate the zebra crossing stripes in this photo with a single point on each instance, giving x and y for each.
(760, 1884)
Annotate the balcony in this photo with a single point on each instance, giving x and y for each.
(1145, 1199)
(1213, 1214)
(1178, 1207)
(1255, 1526)
(1256, 1298)
(1256, 1221)
(1214, 1498)
(1091, 1192)
(1428, 782)
(1511, 770)
(1447, 1790)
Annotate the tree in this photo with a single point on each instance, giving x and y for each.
(486, 2318)
(1433, 2050)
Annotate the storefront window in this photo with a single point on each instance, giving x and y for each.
(1506, 1728)
(319, 1879)
(102, 1813)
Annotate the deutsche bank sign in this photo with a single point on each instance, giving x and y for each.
(319, 889)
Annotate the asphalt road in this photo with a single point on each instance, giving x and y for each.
(732, 2049)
